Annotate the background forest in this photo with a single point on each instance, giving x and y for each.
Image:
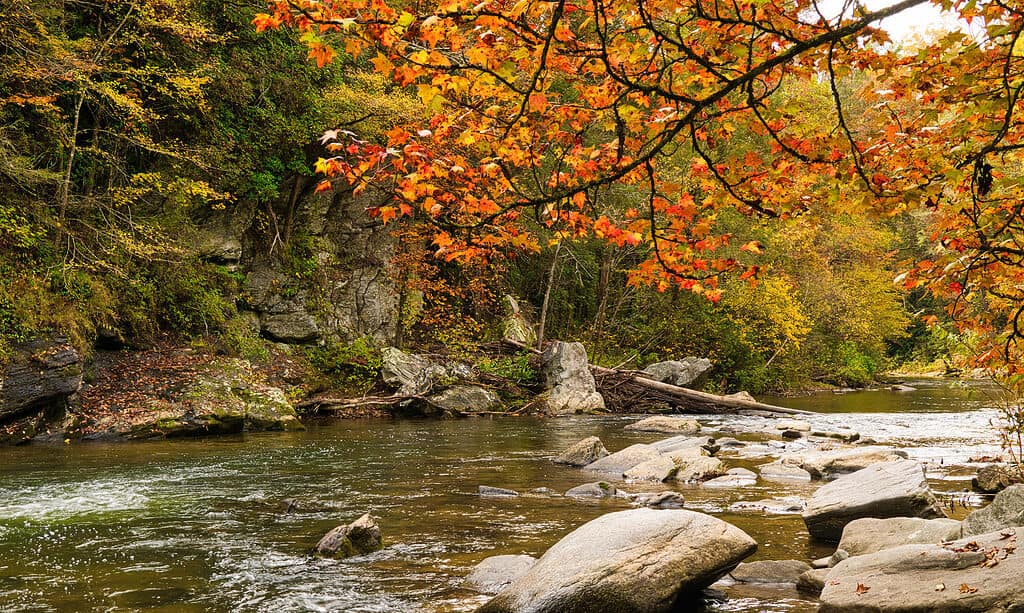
(132, 131)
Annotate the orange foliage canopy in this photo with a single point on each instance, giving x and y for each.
(536, 106)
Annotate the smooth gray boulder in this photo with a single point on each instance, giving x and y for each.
(831, 464)
(680, 443)
(812, 581)
(493, 574)
(769, 571)
(665, 424)
(698, 468)
(790, 505)
(622, 460)
(868, 534)
(465, 399)
(657, 469)
(637, 560)
(571, 386)
(1005, 510)
(682, 373)
(597, 489)
(978, 573)
(777, 471)
(411, 374)
(730, 481)
(658, 500)
(587, 451)
(360, 537)
(886, 489)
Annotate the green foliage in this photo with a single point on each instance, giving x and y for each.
(353, 367)
(515, 367)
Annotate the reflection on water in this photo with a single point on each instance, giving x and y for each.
(202, 525)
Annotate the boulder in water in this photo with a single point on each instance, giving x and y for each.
(769, 571)
(1006, 510)
(587, 451)
(638, 560)
(493, 574)
(868, 535)
(360, 537)
(666, 424)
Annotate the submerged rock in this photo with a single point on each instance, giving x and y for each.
(979, 573)
(571, 386)
(658, 500)
(499, 492)
(886, 489)
(360, 537)
(1005, 510)
(493, 574)
(597, 489)
(789, 505)
(666, 424)
(638, 560)
(587, 451)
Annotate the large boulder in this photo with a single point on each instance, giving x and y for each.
(683, 443)
(411, 374)
(886, 489)
(623, 460)
(360, 537)
(495, 573)
(979, 573)
(683, 373)
(994, 478)
(769, 571)
(868, 534)
(516, 327)
(831, 464)
(465, 400)
(637, 560)
(699, 468)
(1005, 510)
(587, 451)
(571, 386)
(665, 424)
(659, 469)
(39, 377)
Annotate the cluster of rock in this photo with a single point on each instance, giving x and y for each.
(36, 384)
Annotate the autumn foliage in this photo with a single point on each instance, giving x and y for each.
(536, 106)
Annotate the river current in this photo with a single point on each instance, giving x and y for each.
(205, 525)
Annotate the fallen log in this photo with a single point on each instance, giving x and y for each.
(630, 391)
(342, 404)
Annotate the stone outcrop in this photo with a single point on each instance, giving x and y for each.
(831, 464)
(465, 400)
(994, 478)
(682, 373)
(358, 538)
(587, 451)
(516, 327)
(623, 460)
(638, 560)
(868, 535)
(1005, 510)
(39, 378)
(978, 573)
(493, 574)
(570, 384)
(665, 424)
(886, 489)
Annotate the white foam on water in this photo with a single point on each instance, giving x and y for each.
(65, 500)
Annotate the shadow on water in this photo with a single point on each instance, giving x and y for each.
(204, 525)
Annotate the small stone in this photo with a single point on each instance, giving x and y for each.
(497, 492)
(665, 424)
(659, 500)
(769, 571)
(597, 489)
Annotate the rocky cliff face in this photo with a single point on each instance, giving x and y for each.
(331, 281)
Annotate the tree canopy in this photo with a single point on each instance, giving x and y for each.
(539, 105)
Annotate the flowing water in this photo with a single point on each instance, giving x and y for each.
(204, 525)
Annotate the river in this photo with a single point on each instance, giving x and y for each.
(202, 525)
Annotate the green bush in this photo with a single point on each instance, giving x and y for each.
(516, 367)
(352, 368)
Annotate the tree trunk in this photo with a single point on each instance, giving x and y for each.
(547, 295)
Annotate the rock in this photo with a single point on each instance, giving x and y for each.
(597, 489)
(699, 468)
(465, 399)
(621, 461)
(777, 471)
(845, 436)
(411, 374)
(1005, 510)
(637, 560)
(791, 434)
(666, 424)
(39, 377)
(730, 481)
(360, 537)
(682, 373)
(728, 442)
(681, 443)
(789, 505)
(657, 469)
(587, 451)
(744, 396)
(792, 424)
(831, 464)
(769, 571)
(812, 581)
(516, 327)
(294, 325)
(821, 562)
(902, 388)
(837, 557)
(994, 478)
(496, 492)
(659, 500)
(493, 574)
(952, 578)
(568, 378)
(742, 472)
(226, 397)
(886, 489)
(868, 535)
(544, 492)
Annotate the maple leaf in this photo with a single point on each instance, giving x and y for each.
(862, 589)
